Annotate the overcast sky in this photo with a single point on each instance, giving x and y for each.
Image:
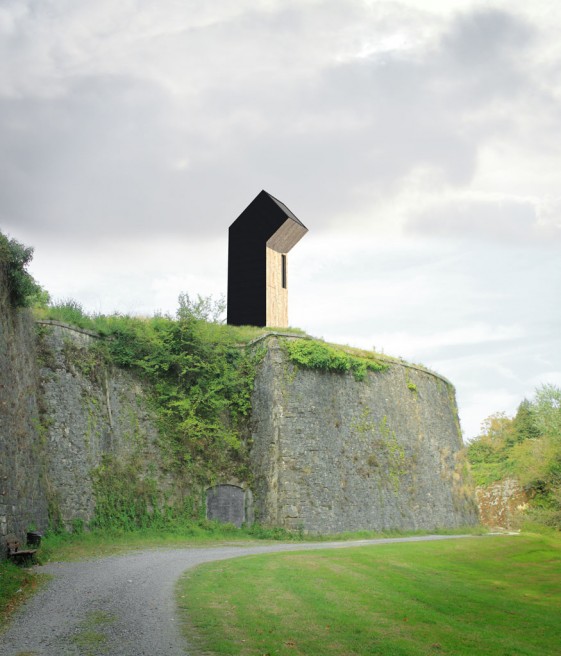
(419, 141)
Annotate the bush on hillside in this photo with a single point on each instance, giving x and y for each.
(526, 447)
(23, 290)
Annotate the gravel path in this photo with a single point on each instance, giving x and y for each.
(124, 605)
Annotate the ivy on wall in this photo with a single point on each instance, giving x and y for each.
(202, 388)
(201, 378)
(126, 501)
(312, 354)
(201, 382)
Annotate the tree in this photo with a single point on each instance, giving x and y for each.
(497, 430)
(548, 411)
(23, 290)
(525, 423)
(527, 447)
(203, 308)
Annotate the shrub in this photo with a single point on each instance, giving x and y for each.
(528, 448)
(23, 290)
(311, 354)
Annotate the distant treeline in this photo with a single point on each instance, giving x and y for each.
(526, 447)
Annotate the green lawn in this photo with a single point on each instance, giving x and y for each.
(492, 595)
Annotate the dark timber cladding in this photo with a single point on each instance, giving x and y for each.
(259, 240)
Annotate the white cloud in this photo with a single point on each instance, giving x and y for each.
(467, 335)
(549, 378)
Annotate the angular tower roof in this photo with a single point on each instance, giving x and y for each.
(269, 221)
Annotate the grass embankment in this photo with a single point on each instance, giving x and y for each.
(499, 595)
(66, 546)
(100, 543)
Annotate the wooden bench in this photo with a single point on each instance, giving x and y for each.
(16, 554)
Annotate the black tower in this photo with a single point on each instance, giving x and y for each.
(258, 243)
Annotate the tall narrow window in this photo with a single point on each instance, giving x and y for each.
(283, 273)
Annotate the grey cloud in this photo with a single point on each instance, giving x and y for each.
(499, 221)
(86, 159)
(120, 153)
(486, 37)
(405, 124)
(371, 122)
(483, 55)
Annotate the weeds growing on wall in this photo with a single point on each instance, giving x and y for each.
(202, 390)
(387, 455)
(312, 354)
(201, 379)
(127, 500)
(201, 382)
(71, 312)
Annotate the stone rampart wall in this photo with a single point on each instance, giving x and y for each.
(329, 454)
(92, 410)
(332, 454)
(23, 504)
